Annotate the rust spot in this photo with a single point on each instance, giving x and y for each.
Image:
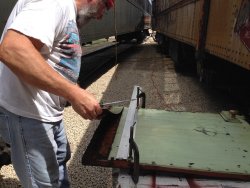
(153, 163)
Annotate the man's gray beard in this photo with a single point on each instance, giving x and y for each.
(85, 15)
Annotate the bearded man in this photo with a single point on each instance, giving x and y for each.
(40, 56)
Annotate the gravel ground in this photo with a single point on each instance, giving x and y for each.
(165, 89)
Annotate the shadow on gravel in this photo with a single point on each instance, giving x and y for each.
(95, 65)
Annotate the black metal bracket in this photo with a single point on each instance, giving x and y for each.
(141, 95)
(133, 149)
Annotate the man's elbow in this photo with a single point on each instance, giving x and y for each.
(2, 49)
(11, 46)
(5, 51)
(1, 59)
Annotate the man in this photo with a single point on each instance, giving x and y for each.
(40, 60)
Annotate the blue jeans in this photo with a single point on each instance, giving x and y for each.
(39, 150)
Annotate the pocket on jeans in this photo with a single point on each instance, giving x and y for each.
(4, 130)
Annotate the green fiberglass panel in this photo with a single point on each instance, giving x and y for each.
(190, 141)
(197, 141)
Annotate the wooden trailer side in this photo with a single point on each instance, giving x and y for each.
(220, 28)
(178, 20)
(227, 19)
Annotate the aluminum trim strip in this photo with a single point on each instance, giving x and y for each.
(123, 150)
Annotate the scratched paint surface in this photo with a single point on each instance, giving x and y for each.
(187, 140)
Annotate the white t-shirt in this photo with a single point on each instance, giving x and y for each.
(54, 23)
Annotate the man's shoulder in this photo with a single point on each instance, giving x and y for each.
(65, 5)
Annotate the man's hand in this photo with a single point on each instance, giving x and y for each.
(86, 105)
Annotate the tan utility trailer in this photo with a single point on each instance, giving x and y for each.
(220, 28)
